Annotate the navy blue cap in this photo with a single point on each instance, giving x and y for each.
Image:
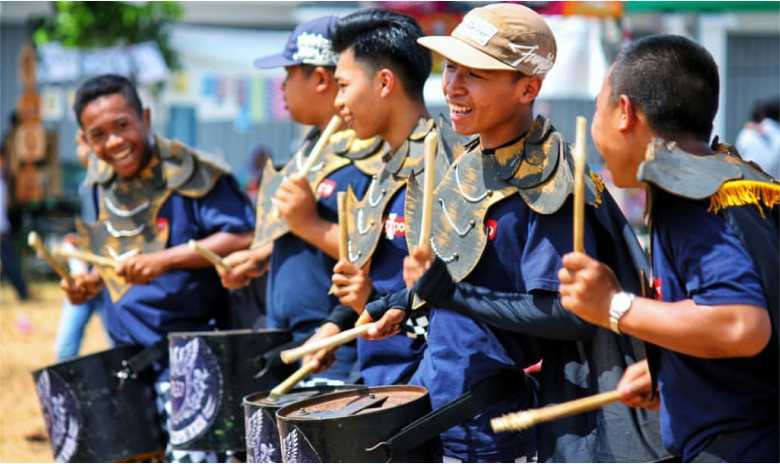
(309, 43)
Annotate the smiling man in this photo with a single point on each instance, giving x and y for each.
(501, 224)
(714, 232)
(152, 196)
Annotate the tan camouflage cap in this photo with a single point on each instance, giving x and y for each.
(499, 36)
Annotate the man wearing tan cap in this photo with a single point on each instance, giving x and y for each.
(501, 223)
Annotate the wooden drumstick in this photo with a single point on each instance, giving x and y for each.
(426, 222)
(341, 198)
(526, 419)
(322, 142)
(34, 240)
(579, 186)
(294, 354)
(343, 226)
(210, 256)
(292, 380)
(428, 187)
(89, 257)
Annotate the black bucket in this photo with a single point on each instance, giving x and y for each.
(347, 426)
(262, 435)
(92, 416)
(210, 373)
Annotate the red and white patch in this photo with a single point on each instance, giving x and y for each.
(394, 226)
(326, 188)
(491, 228)
(161, 223)
(658, 289)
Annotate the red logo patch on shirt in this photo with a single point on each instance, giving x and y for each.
(394, 226)
(161, 223)
(491, 228)
(326, 188)
(658, 288)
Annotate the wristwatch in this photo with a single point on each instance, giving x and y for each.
(618, 307)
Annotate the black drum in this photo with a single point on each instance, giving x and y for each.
(210, 373)
(348, 426)
(92, 416)
(262, 435)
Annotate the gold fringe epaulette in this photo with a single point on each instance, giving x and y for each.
(745, 192)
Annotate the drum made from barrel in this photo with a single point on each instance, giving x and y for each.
(92, 416)
(346, 426)
(210, 374)
(262, 435)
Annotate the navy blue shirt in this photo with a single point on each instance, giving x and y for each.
(299, 276)
(522, 255)
(696, 255)
(391, 360)
(182, 299)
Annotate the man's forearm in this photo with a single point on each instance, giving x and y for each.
(701, 331)
(322, 234)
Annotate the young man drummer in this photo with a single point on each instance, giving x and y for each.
(301, 261)
(714, 231)
(381, 74)
(152, 195)
(494, 288)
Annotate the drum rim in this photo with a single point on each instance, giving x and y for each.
(281, 413)
(88, 356)
(222, 333)
(248, 400)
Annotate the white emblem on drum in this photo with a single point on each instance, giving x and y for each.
(60, 412)
(260, 445)
(196, 390)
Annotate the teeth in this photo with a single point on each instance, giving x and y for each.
(122, 155)
(460, 109)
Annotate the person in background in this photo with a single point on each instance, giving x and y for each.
(10, 265)
(759, 140)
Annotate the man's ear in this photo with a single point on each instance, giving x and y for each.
(323, 79)
(386, 81)
(528, 89)
(147, 117)
(628, 117)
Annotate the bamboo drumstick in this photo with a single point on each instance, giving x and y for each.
(428, 187)
(294, 354)
(322, 142)
(89, 257)
(291, 381)
(34, 240)
(579, 186)
(343, 226)
(526, 419)
(210, 256)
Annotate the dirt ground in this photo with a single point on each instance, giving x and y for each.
(27, 333)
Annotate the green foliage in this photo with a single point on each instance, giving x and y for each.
(106, 24)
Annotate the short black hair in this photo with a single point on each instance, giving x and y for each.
(672, 80)
(771, 107)
(106, 84)
(386, 39)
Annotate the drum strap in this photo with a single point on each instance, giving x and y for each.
(468, 405)
(144, 359)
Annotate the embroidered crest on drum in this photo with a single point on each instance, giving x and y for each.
(296, 448)
(261, 438)
(196, 389)
(61, 414)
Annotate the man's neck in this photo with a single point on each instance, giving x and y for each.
(402, 121)
(500, 136)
